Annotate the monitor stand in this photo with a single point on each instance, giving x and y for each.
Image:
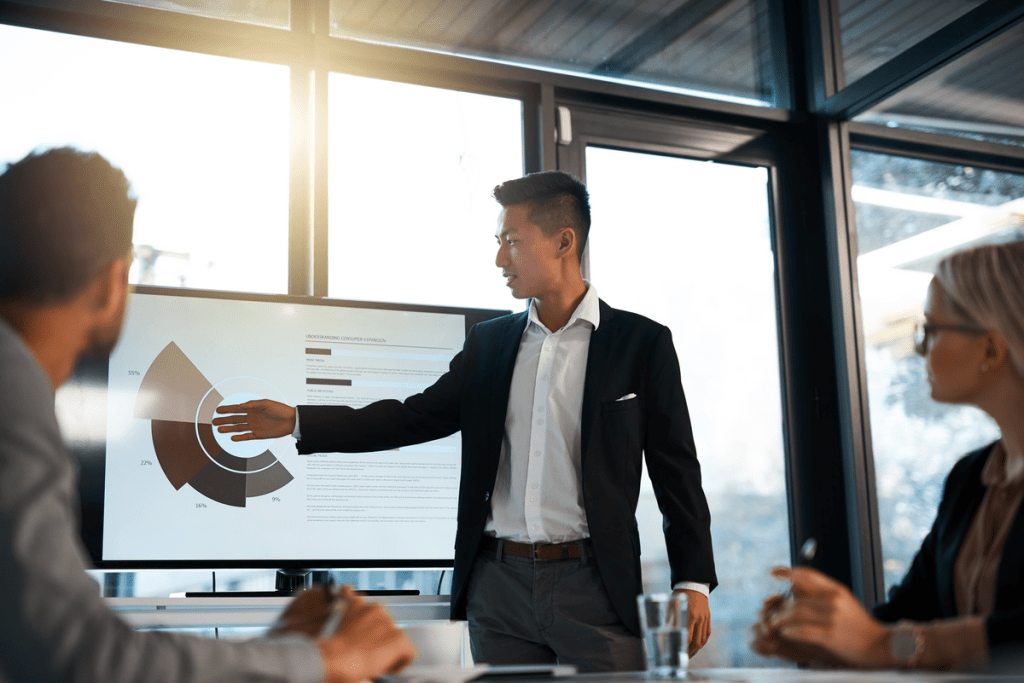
(287, 582)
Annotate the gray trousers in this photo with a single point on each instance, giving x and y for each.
(524, 611)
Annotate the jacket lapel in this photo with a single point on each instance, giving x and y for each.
(507, 349)
(598, 362)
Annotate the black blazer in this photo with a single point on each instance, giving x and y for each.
(928, 590)
(629, 354)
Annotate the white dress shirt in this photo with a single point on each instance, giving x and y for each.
(538, 496)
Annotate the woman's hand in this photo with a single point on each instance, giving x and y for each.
(822, 622)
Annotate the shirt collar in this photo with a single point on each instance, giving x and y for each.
(588, 310)
(1000, 469)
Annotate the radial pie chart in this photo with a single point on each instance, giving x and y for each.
(181, 402)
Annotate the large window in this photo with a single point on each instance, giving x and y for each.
(910, 213)
(688, 244)
(204, 141)
(411, 170)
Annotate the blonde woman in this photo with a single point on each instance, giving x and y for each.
(961, 604)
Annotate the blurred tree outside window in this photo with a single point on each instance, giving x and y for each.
(909, 214)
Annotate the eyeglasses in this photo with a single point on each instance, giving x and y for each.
(923, 332)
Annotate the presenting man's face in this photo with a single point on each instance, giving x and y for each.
(527, 257)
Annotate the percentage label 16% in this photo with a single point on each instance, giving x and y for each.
(200, 505)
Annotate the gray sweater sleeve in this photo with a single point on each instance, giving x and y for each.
(56, 626)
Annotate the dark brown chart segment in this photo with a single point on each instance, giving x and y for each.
(180, 402)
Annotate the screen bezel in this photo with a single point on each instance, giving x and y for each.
(91, 456)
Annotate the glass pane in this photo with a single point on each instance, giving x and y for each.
(264, 12)
(204, 141)
(875, 31)
(909, 214)
(411, 173)
(717, 49)
(658, 226)
(979, 96)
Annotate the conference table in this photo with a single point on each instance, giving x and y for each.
(172, 613)
(785, 675)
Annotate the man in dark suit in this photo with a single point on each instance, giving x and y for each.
(557, 405)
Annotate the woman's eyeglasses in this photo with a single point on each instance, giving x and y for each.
(924, 331)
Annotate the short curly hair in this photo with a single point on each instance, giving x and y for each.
(554, 200)
(65, 215)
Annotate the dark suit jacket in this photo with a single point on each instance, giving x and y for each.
(928, 590)
(629, 354)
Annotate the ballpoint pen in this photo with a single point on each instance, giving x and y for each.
(337, 610)
(806, 554)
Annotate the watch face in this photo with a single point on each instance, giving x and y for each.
(904, 644)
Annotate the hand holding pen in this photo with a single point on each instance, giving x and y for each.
(357, 639)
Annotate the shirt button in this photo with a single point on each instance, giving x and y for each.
(540, 422)
(533, 499)
(536, 454)
(535, 527)
(545, 377)
(535, 484)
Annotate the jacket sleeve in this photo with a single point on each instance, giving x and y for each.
(917, 597)
(382, 425)
(56, 627)
(674, 469)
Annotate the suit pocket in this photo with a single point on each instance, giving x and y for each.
(622, 434)
(631, 403)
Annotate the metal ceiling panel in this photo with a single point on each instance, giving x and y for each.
(713, 47)
(978, 96)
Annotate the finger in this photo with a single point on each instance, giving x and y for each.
(233, 427)
(243, 437)
(811, 579)
(235, 408)
(705, 633)
(806, 634)
(231, 419)
(806, 614)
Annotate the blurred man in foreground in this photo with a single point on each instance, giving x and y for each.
(66, 221)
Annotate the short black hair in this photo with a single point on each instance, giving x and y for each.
(65, 215)
(554, 200)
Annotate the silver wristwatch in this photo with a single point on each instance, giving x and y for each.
(906, 644)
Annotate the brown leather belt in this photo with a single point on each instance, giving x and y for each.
(496, 547)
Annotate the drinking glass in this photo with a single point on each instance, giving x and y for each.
(663, 622)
